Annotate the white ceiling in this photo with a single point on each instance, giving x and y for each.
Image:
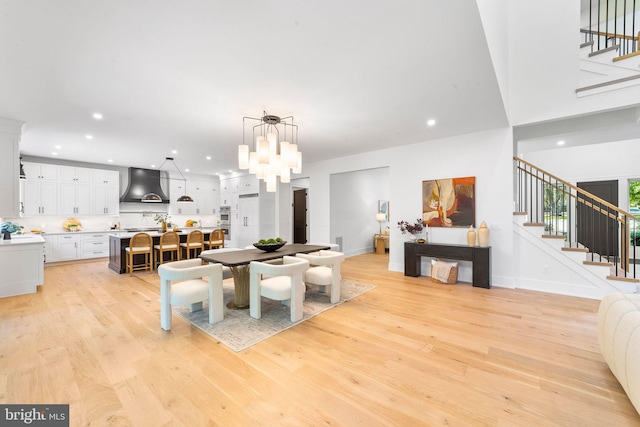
(357, 76)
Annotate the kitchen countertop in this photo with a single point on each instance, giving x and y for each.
(22, 239)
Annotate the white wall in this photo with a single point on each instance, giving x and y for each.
(544, 64)
(485, 155)
(353, 207)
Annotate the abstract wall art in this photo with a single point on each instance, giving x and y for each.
(449, 202)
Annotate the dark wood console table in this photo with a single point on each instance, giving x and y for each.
(479, 256)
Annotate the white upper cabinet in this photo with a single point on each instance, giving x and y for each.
(204, 194)
(99, 176)
(74, 174)
(67, 190)
(40, 171)
(39, 197)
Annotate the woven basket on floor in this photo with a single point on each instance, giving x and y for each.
(453, 277)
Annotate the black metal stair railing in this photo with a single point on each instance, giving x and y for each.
(612, 23)
(585, 221)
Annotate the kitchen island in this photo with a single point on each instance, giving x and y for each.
(21, 264)
(119, 240)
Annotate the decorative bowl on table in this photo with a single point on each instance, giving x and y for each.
(270, 247)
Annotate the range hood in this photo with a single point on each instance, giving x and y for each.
(141, 182)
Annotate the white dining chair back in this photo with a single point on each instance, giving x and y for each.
(285, 283)
(196, 283)
(324, 271)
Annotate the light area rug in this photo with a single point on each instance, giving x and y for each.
(238, 330)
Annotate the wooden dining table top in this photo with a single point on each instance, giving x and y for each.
(245, 256)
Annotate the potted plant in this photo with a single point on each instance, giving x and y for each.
(162, 218)
(414, 229)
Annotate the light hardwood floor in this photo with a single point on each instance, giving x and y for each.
(410, 352)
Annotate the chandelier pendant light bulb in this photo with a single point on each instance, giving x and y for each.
(285, 175)
(263, 150)
(292, 156)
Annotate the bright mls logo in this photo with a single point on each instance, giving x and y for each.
(34, 415)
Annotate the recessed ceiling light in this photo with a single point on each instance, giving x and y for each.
(57, 147)
(54, 153)
(174, 151)
(186, 170)
(431, 122)
(89, 136)
(153, 166)
(208, 157)
(110, 160)
(97, 116)
(560, 142)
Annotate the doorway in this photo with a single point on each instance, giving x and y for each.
(597, 231)
(300, 216)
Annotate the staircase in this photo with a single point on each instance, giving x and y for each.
(609, 55)
(548, 211)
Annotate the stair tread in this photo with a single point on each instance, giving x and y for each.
(585, 250)
(533, 224)
(553, 236)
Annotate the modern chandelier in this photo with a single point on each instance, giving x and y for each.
(275, 152)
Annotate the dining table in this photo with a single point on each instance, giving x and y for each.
(239, 262)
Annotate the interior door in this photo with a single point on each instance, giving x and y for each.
(300, 216)
(596, 230)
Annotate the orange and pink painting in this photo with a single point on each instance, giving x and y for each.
(449, 202)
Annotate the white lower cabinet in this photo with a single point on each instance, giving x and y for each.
(66, 247)
(71, 246)
(94, 245)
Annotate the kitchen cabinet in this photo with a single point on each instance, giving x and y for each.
(105, 199)
(22, 265)
(66, 247)
(254, 218)
(203, 193)
(39, 196)
(229, 192)
(99, 176)
(66, 190)
(10, 131)
(248, 184)
(94, 245)
(248, 220)
(75, 199)
(80, 245)
(40, 171)
(74, 174)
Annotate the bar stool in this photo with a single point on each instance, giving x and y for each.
(169, 242)
(140, 244)
(195, 241)
(216, 239)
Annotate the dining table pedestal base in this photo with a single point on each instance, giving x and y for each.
(241, 288)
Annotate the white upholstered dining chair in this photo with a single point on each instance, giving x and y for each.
(324, 271)
(283, 284)
(196, 283)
